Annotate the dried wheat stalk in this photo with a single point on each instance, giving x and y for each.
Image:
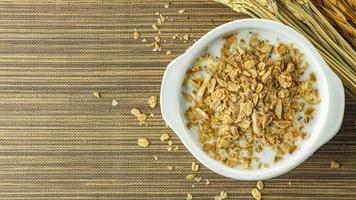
(341, 14)
(303, 16)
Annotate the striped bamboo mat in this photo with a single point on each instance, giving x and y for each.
(58, 141)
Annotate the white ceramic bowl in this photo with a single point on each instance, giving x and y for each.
(327, 120)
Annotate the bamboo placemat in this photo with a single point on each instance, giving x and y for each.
(58, 141)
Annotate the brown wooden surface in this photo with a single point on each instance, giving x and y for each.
(57, 141)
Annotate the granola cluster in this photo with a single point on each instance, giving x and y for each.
(250, 97)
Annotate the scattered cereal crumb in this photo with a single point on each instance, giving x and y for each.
(136, 35)
(334, 164)
(223, 195)
(256, 194)
(135, 112)
(175, 36)
(181, 11)
(143, 40)
(165, 137)
(193, 186)
(152, 101)
(289, 183)
(170, 168)
(190, 177)
(150, 45)
(189, 196)
(162, 18)
(169, 149)
(176, 148)
(97, 94)
(114, 103)
(207, 182)
(159, 21)
(151, 115)
(259, 185)
(156, 158)
(168, 53)
(157, 38)
(154, 26)
(141, 118)
(170, 143)
(197, 179)
(165, 41)
(156, 47)
(166, 5)
(195, 167)
(143, 142)
(186, 37)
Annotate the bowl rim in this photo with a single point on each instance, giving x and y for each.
(172, 114)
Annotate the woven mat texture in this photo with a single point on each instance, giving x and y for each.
(58, 141)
